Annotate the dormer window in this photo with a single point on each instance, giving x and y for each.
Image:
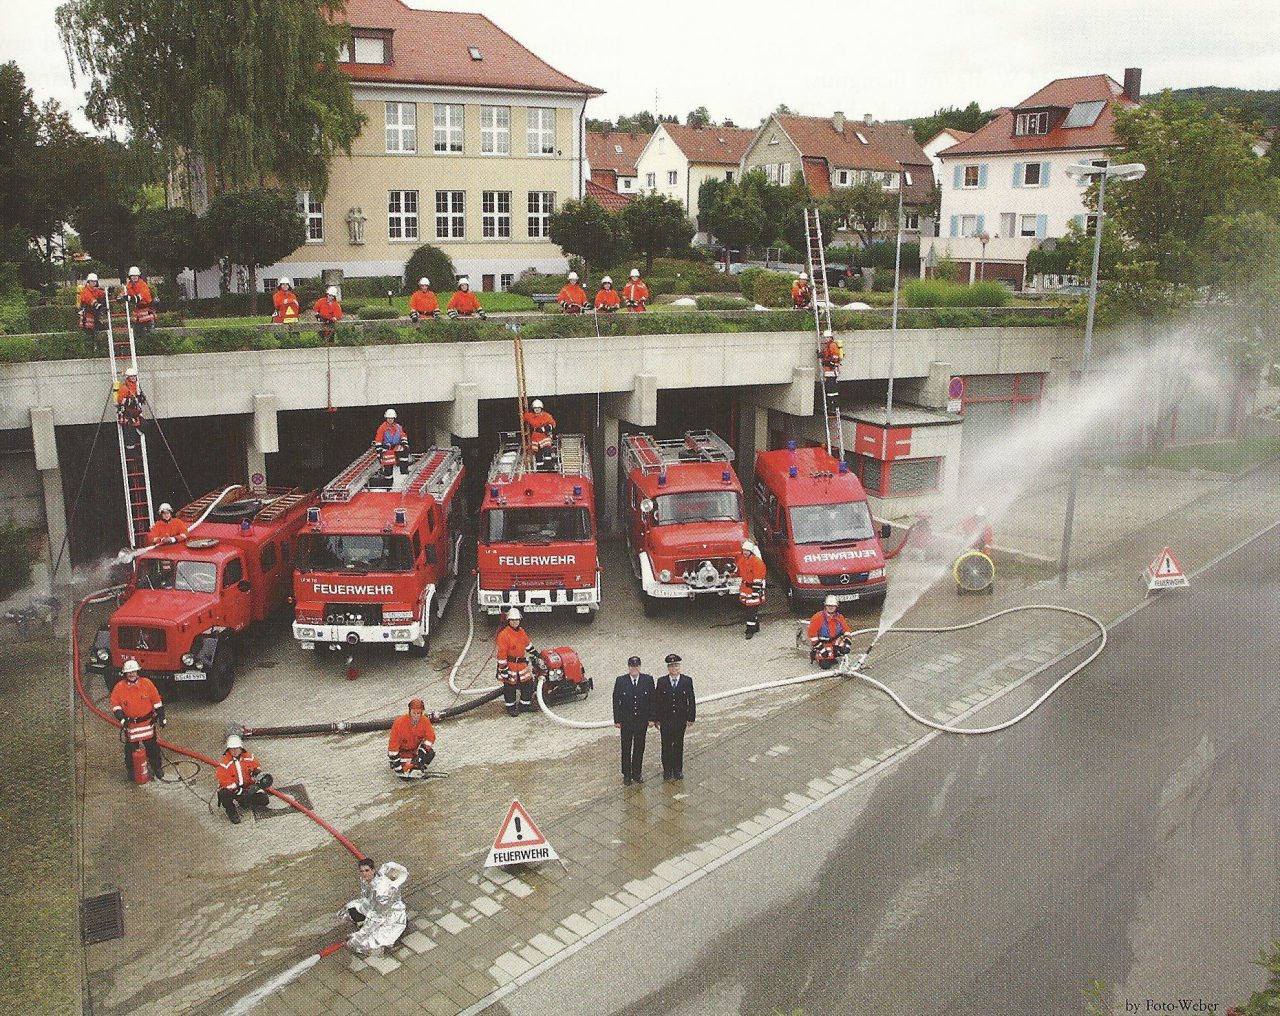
(1026, 124)
(368, 46)
(861, 137)
(475, 53)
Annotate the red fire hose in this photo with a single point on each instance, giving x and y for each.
(106, 594)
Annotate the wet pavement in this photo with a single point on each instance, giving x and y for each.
(1126, 834)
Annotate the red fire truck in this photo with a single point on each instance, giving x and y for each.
(381, 551)
(537, 544)
(685, 523)
(187, 601)
(815, 527)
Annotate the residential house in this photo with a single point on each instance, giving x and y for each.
(941, 141)
(606, 198)
(832, 152)
(1008, 181)
(472, 143)
(611, 158)
(677, 160)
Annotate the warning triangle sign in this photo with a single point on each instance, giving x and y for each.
(1165, 572)
(519, 841)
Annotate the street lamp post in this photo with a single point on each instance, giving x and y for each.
(1104, 172)
(983, 238)
(893, 323)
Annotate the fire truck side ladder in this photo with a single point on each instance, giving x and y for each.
(347, 483)
(651, 455)
(822, 324)
(436, 472)
(522, 407)
(135, 470)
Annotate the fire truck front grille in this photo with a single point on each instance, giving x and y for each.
(353, 613)
(135, 638)
(845, 579)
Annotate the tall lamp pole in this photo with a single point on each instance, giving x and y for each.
(893, 323)
(1104, 172)
(983, 238)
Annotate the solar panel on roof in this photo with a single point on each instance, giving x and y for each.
(1084, 114)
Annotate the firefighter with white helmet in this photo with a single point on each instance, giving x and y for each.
(167, 528)
(129, 401)
(138, 708)
(515, 654)
(572, 297)
(464, 303)
(801, 293)
(607, 299)
(635, 294)
(137, 294)
(241, 780)
(830, 356)
(423, 302)
(751, 577)
(828, 634)
(285, 301)
(542, 430)
(92, 302)
(328, 310)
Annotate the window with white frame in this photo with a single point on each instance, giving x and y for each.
(771, 172)
(784, 173)
(312, 210)
(651, 179)
(910, 219)
(495, 130)
(402, 127)
(447, 130)
(495, 214)
(971, 176)
(968, 225)
(907, 175)
(368, 46)
(505, 282)
(889, 181)
(541, 205)
(671, 177)
(842, 178)
(1008, 223)
(402, 215)
(626, 183)
(542, 131)
(1031, 123)
(1027, 225)
(1031, 174)
(450, 207)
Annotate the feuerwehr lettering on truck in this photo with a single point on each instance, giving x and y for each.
(535, 560)
(840, 555)
(342, 589)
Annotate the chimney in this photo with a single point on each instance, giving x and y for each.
(866, 117)
(837, 121)
(1133, 83)
(728, 123)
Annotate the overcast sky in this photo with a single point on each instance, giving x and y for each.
(893, 60)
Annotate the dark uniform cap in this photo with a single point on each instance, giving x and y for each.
(633, 661)
(672, 658)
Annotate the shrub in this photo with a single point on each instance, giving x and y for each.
(17, 348)
(535, 282)
(432, 262)
(773, 289)
(940, 293)
(717, 302)
(747, 282)
(13, 313)
(47, 317)
(378, 312)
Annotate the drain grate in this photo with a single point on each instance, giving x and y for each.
(297, 791)
(101, 918)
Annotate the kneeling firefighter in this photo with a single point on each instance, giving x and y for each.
(515, 653)
(828, 635)
(411, 747)
(241, 780)
(378, 912)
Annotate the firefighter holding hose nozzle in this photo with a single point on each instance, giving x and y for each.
(411, 747)
(240, 780)
(828, 635)
(515, 653)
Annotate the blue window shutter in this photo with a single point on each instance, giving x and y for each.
(1017, 173)
(982, 175)
(955, 225)
(1044, 174)
(981, 222)
(959, 178)
(1042, 226)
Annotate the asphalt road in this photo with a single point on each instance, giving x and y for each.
(1125, 833)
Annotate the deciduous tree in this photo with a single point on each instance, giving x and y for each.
(657, 225)
(587, 229)
(255, 228)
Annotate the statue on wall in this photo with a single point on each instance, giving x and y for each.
(355, 224)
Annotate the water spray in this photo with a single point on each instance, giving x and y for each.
(867, 652)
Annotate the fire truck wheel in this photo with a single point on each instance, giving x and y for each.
(222, 675)
(652, 605)
(419, 651)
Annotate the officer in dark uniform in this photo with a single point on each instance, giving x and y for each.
(677, 707)
(633, 714)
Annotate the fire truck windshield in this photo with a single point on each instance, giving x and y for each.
(698, 506)
(535, 525)
(348, 553)
(185, 576)
(831, 523)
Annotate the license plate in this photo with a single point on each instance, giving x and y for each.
(847, 596)
(189, 675)
(537, 608)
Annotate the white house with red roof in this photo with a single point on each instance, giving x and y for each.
(1008, 180)
(678, 160)
(611, 158)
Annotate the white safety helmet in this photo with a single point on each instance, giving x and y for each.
(513, 614)
(233, 741)
(635, 273)
(980, 512)
(166, 507)
(804, 277)
(331, 291)
(464, 282)
(286, 281)
(134, 270)
(749, 548)
(830, 601)
(828, 334)
(424, 281)
(606, 281)
(130, 667)
(131, 372)
(91, 277)
(535, 404)
(390, 414)
(573, 276)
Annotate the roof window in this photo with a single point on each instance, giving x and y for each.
(861, 137)
(475, 52)
(368, 46)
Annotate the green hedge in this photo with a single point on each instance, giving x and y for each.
(773, 289)
(939, 293)
(47, 317)
(378, 312)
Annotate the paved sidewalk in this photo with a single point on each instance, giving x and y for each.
(750, 765)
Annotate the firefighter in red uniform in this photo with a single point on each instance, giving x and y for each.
(137, 294)
(828, 634)
(464, 303)
(515, 651)
(93, 300)
(542, 429)
(129, 400)
(167, 529)
(801, 293)
(391, 436)
(411, 746)
(635, 294)
(138, 708)
(977, 530)
(285, 300)
(572, 298)
(607, 299)
(423, 302)
(241, 780)
(830, 356)
(751, 573)
(328, 311)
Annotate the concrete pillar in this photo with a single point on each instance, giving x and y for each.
(795, 398)
(44, 442)
(753, 437)
(607, 474)
(461, 417)
(638, 406)
(930, 391)
(264, 439)
(442, 438)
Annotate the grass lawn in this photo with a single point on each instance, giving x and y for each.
(1223, 457)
